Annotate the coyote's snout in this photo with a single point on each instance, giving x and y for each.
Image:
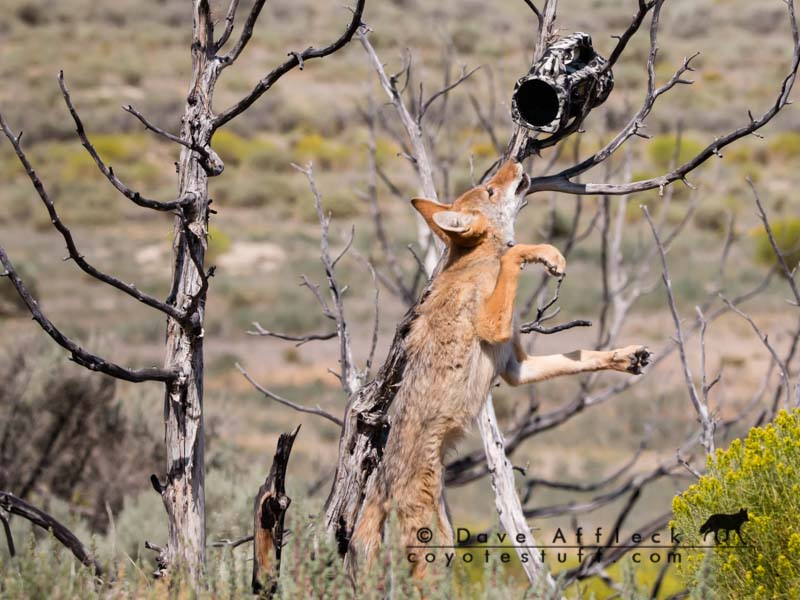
(462, 339)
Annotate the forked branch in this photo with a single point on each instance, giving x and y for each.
(79, 355)
(296, 59)
(107, 171)
(74, 253)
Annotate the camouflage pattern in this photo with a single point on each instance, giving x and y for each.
(574, 71)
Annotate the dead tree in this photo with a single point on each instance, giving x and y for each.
(624, 282)
(182, 485)
(269, 509)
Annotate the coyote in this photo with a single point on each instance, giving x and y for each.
(725, 522)
(462, 338)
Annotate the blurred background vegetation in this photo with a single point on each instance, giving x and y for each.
(265, 235)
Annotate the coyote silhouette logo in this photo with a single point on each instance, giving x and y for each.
(724, 522)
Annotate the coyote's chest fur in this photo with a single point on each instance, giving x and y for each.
(449, 369)
(448, 373)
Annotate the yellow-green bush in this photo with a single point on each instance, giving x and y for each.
(787, 237)
(219, 243)
(114, 149)
(342, 204)
(760, 474)
(385, 150)
(265, 155)
(483, 150)
(322, 152)
(661, 149)
(232, 148)
(786, 145)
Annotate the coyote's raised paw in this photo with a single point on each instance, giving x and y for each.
(632, 359)
(545, 254)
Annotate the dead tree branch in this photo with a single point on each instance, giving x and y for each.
(107, 171)
(300, 339)
(272, 396)
(74, 253)
(244, 37)
(16, 506)
(296, 60)
(706, 420)
(351, 377)
(765, 340)
(418, 151)
(789, 273)
(507, 502)
(229, 19)
(78, 354)
(269, 510)
(226, 543)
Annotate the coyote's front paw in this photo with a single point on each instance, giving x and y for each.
(548, 255)
(631, 359)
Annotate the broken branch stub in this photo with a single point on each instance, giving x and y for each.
(269, 509)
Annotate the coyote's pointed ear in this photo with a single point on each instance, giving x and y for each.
(428, 208)
(452, 226)
(463, 228)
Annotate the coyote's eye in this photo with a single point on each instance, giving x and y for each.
(490, 191)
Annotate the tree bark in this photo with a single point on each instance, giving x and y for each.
(183, 492)
(269, 509)
(363, 438)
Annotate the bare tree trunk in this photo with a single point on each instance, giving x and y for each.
(269, 510)
(184, 490)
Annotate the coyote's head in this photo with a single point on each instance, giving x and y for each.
(485, 213)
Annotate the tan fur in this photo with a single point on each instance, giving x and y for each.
(462, 339)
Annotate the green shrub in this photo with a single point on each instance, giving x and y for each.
(711, 218)
(325, 153)
(466, 37)
(341, 204)
(256, 190)
(786, 145)
(232, 148)
(761, 475)
(32, 14)
(661, 150)
(85, 203)
(265, 155)
(787, 237)
(218, 244)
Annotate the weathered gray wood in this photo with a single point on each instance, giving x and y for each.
(362, 440)
(506, 499)
(183, 492)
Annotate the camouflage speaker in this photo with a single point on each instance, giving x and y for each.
(568, 80)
